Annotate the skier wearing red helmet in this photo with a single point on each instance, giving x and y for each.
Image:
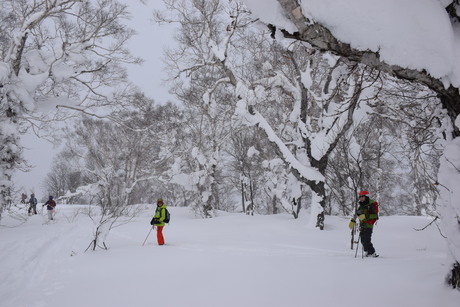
(368, 214)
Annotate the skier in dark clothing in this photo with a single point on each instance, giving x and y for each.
(32, 204)
(50, 205)
(367, 213)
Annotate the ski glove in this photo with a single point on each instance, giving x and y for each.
(352, 223)
(362, 217)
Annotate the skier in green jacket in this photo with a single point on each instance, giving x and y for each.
(368, 214)
(158, 220)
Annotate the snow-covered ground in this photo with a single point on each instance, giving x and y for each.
(230, 260)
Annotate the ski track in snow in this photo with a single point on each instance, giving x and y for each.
(30, 255)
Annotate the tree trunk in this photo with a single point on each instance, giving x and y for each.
(242, 197)
(454, 276)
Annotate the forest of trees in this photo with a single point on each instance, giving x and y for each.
(226, 164)
(259, 126)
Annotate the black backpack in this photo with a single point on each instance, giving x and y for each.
(167, 216)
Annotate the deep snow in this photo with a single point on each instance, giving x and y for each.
(230, 260)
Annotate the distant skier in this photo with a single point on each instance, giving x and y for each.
(50, 205)
(32, 204)
(368, 214)
(23, 198)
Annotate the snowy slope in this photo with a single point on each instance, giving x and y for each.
(231, 260)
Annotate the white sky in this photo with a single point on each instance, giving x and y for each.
(149, 44)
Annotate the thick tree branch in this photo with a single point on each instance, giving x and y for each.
(321, 38)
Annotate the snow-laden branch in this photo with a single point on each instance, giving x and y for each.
(255, 118)
(106, 116)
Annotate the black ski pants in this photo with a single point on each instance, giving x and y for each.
(366, 236)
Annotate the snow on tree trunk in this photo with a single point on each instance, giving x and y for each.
(449, 179)
(316, 212)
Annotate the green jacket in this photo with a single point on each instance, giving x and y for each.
(370, 208)
(160, 216)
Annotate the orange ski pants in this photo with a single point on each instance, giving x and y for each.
(160, 238)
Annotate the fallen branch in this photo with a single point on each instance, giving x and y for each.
(433, 221)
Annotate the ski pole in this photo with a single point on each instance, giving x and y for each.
(353, 230)
(148, 235)
(357, 246)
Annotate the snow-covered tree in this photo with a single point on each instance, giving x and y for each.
(61, 52)
(413, 116)
(121, 162)
(245, 171)
(200, 81)
(113, 160)
(63, 178)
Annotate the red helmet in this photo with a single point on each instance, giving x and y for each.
(363, 193)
